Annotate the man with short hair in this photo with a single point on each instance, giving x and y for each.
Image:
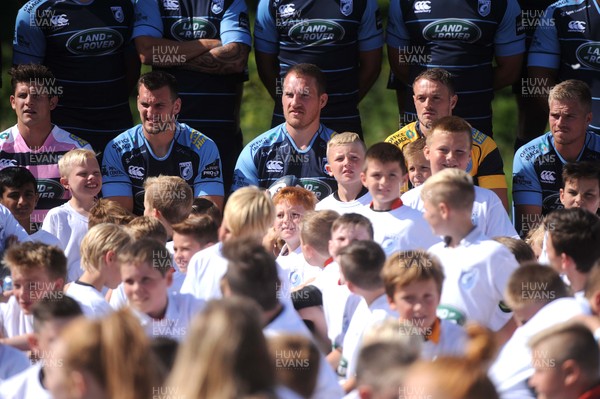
(160, 145)
(434, 97)
(34, 142)
(538, 165)
(296, 147)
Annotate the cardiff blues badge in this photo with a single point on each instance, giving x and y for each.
(346, 7)
(217, 6)
(484, 7)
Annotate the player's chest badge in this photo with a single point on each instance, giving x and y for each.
(346, 7)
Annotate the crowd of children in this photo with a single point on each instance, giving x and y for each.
(373, 292)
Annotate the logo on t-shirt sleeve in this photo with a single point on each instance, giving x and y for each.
(212, 170)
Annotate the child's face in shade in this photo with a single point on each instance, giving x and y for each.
(20, 201)
(418, 169)
(146, 288)
(581, 193)
(31, 285)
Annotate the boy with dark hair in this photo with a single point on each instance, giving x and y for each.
(581, 186)
(252, 274)
(397, 227)
(361, 263)
(573, 244)
(18, 193)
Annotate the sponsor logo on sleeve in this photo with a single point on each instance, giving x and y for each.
(244, 21)
(136, 172)
(212, 170)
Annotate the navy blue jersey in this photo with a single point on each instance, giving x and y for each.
(209, 102)
(274, 154)
(461, 36)
(84, 46)
(129, 160)
(329, 34)
(537, 171)
(569, 41)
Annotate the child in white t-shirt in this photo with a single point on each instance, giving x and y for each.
(361, 263)
(147, 272)
(80, 174)
(38, 271)
(413, 284)
(99, 250)
(345, 159)
(476, 267)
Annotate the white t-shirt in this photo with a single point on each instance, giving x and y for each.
(207, 267)
(180, 311)
(12, 319)
(289, 322)
(400, 229)
(512, 367)
(296, 269)
(477, 271)
(334, 299)
(488, 212)
(92, 302)
(12, 362)
(341, 207)
(178, 279)
(365, 317)
(69, 226)
(452, 342)
(25, 385)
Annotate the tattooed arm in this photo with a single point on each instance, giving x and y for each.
(222, 60)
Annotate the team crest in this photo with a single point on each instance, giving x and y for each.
(346, 7)
(185, 170)
(118, 13)
(217, 6)
(484, 7)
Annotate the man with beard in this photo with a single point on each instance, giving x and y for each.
(160, 145)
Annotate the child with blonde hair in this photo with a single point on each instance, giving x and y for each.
(80, 174)
(99, 249)
(345, 159)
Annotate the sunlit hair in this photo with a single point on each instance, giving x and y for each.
(345, 138)
(460, 377)
(451, 186)
(296, 196)
(315, 229)
(170, 195)
(225, 354)
(75, 157)
(98, 241)
(572, 89)
(115, 351)
(147, 227)
(249, 212)
(407, 267)
(534, 283)
(33, 255)
(107, 211)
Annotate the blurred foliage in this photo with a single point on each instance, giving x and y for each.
(378, 109)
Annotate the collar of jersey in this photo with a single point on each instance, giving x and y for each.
(395, 205)
(435, 333)
(588, 138)
(149, 147)
(293, 143)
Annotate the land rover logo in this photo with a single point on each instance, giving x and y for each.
(589, 54)
(320, 188)
(452, 29)
(193, 28)
(96, 41)
(316, 31)
(50, 189)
